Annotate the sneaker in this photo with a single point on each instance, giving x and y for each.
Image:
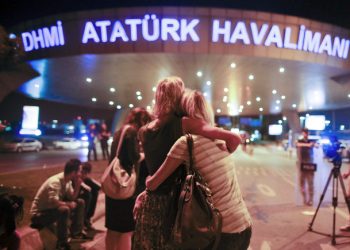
(81, 236)
(63, 246)
(345, 228)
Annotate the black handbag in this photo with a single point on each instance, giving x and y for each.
(198, 223)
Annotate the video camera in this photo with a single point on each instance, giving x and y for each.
(333, 152)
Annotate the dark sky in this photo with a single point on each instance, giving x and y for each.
(334, 12)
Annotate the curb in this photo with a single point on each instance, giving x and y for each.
(32, 239)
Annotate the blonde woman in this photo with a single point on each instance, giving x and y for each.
(217, 168)
(153, 209)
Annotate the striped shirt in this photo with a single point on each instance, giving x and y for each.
(217, 168)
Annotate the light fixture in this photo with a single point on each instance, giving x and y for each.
(112, 89)
(251, 77)
(278, 101)
(274, 91)
(279, 121)
(284, 118)
(282, 70)
(277, 108)
(208, 83)
(36, 85)
(233, 65)
(111, 103)
(138, 92)
(311, 108)
(218, 110)
(148, 108)
(249, 102)
(94, 99)
(119, 107)
(139, 97)
(348, 95)
(224, 99)
(261, 109)
(199, 73)
(258, 99)
(205, 94)
(283, 97)
(88, 79)
(225, 90)
(294, 105)
(154, 89)
(131, 105)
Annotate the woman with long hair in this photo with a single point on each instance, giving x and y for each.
(119, 213)
(216, 166)
(153, 221)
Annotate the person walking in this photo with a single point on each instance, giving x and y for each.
(104, 136)
(120, 222)
(216, 166)
(92, 137)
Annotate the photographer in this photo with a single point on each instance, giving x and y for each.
(305, 164)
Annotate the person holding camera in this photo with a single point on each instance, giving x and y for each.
(306, 173)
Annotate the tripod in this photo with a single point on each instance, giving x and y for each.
(335, 175)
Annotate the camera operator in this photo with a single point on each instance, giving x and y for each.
(306, 166)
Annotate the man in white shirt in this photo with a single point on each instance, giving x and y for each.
(57, 201)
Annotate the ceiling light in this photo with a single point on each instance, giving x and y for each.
(280, 121)
(131, 105)
(218, 111)
(148, 107)
(154, 89)
(258, 99)
(225, 90)
(274, 92)
(139, 97)
(261, 109)
(349, 95)
(138, 92)
(278, 101)
(284, 118)
(233, 65)
(224, 99)
(112, 90)
(199, 73)
(251, 77)
(119, 107)
(241, 107)
(283, 97)
(208, 83)
(282, 70)
(249, 102)
(205, 94)
(88, 79)
(294, 105)
(277, 108)
(94, 99)
(37, 85)
(154, 101)
(111, 103)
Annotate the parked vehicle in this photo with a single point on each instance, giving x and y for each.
(23, 144)
(67, 143)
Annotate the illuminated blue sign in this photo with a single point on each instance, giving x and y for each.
(43, 38)
(151, 28)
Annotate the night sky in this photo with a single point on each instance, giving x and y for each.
(334, 12)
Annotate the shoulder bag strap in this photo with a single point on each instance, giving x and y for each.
(121, 138)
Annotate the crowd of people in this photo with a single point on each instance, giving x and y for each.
(154, 146)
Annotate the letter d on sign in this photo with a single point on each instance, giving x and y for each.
(28, 42)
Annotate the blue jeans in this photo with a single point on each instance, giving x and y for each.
(235, 241)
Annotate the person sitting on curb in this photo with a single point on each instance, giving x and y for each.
(57, 201)
(89, 193)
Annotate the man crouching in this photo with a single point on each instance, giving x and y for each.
(57, 201)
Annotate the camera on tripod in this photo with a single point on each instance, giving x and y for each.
(333, 151)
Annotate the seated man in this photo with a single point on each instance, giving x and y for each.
(89, 193)
(56, 201)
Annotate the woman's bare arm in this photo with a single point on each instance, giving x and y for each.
(200, 127)
(166, 169)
